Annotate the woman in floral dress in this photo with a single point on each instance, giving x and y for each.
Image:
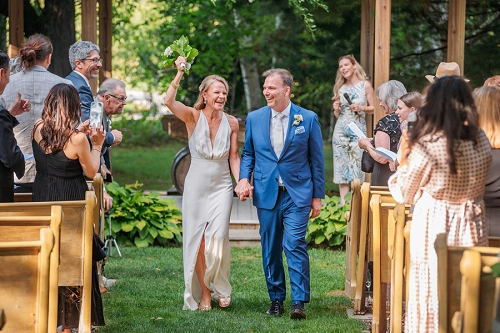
(351, 80)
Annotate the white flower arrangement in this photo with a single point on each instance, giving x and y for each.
(180, 48)
(297, 119)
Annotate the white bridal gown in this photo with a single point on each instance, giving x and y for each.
(206, 207)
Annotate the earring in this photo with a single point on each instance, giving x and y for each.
(205, 101)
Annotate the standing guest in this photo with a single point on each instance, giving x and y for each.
(408, 103)
(351, 80)
(208, 190)
(488, 107)
(493, 81)
(63, 156)
(444, 177)
(34, 83)
(387, 131)
(11, 157)
(85, 61)
(283, 151)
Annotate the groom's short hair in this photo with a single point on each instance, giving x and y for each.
(285, 75)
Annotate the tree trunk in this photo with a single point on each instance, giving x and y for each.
(251, 84)
(59, 23)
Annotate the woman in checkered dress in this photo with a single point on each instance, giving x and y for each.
(444, 177)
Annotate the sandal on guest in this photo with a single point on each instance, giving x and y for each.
(203, 307)
(224, 301)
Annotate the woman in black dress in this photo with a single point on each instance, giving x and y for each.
(63, 156)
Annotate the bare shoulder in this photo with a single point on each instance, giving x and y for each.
(233, 122)
(77, 139)
(368, 85)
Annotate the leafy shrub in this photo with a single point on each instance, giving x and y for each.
(330, 226)
(143, 219)
(140, 131)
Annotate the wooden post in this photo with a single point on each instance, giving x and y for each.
(382, 49)
(456, 33)
(105, 33)
(16, 27)
(89, 28)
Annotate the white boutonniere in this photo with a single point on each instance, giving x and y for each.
(297, 119)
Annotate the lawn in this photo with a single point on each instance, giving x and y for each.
(148, 296)
(151, 166)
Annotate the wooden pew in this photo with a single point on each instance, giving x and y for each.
(24, 281)
(382, 209)
(23, 197)
(352, 239)
(76, 244)
(27, 228)
(398, 251)
(466, 288)
(365, 250)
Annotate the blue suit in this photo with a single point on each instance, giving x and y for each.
(87, 99)
(283, 216)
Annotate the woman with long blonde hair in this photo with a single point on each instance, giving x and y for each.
(208, 190)
(352, 82)
(487, 100)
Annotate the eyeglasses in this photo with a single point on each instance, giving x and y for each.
(94, 60)
(120, 99)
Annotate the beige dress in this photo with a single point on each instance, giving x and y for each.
(206, 208)
(444, 203)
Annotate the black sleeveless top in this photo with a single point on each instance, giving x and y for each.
(58, 178)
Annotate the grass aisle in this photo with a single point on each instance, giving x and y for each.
(150, 285)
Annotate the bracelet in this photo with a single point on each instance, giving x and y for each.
(175, 85)
(99, 150)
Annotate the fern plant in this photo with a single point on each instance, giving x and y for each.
(143, 219)
(330, 226)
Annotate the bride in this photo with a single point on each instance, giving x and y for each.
(208, 190)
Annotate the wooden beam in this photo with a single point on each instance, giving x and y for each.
(367, 48)
(16, 27)
(105, 33)
(382, 50)
(456, 33)
(89, 28)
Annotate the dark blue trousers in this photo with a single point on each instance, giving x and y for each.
(284, 228)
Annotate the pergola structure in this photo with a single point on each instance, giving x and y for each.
(376, 41)
(90, 8)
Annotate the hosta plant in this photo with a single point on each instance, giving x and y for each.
(143, 219)
(330, 226)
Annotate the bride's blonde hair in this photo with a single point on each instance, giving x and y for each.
(340, 80)
(205, 84)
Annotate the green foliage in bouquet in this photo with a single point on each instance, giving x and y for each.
(330, 226)
(143, 219)
(181, 48)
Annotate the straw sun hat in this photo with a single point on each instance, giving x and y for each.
(445, 68)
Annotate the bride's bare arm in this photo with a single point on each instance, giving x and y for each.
(181, 111)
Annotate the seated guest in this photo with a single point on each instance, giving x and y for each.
(11, 157)
(34, 83)
(63, 155)
(488, 107)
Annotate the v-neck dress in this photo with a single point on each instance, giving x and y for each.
(206, 208)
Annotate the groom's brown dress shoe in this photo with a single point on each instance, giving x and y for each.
(298, 311)
(276, 309)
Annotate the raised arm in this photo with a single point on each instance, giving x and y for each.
(181, 111)
(90, 160)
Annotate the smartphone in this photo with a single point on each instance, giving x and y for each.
(96, 110)
(412, 120)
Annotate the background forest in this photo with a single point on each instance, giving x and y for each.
(239, 39)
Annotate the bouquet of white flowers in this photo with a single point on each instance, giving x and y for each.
(181, 48)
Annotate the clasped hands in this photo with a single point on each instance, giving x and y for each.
(243, 189)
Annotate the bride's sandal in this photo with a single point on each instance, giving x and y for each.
(203, 307)
(224, 301)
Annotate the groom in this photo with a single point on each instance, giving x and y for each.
(284, 152)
